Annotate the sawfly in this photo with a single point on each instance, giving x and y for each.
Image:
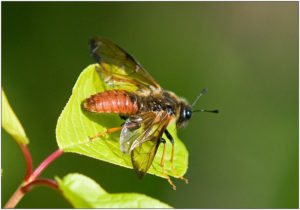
(148, 109)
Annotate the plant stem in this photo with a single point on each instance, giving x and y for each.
(28, 159)
(25, 188)
(17, 196)
(31, 180)
(43, 165)
(43, 182)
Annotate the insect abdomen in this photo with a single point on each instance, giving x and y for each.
(112, 101)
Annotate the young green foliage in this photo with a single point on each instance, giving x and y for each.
(76, 125)
(83, 192)
(10, 122)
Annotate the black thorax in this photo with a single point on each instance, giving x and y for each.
(157, 102)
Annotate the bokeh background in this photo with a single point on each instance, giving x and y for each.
(245, 53)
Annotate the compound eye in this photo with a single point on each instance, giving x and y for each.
(188, 114)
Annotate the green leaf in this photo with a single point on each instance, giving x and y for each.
(83, 192)
(10, 122)
(75, 126)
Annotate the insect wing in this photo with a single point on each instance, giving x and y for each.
(138, 128)
(140, 136)
(118, 68)
(142, 156)
(135, 129)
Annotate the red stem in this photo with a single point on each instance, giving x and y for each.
(44, 182)
(24, 188)
(28, 160)
(31, 178)
(15, 198)
(44, 164)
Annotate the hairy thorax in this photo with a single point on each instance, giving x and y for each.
(160, 100)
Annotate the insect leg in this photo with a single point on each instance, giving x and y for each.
(162, 163)
(109, 130)
(169, 136)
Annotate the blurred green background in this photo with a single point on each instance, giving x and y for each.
(245, 53)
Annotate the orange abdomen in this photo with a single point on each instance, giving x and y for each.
(112, 101)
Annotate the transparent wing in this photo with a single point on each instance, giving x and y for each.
(140, 136)
(142, 156)
(118, 68)
(139, 128)
(135, 129)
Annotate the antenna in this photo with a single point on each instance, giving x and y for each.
(216, 111)
(202, 92)
(203, 110)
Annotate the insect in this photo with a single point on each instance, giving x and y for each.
(147, 108)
